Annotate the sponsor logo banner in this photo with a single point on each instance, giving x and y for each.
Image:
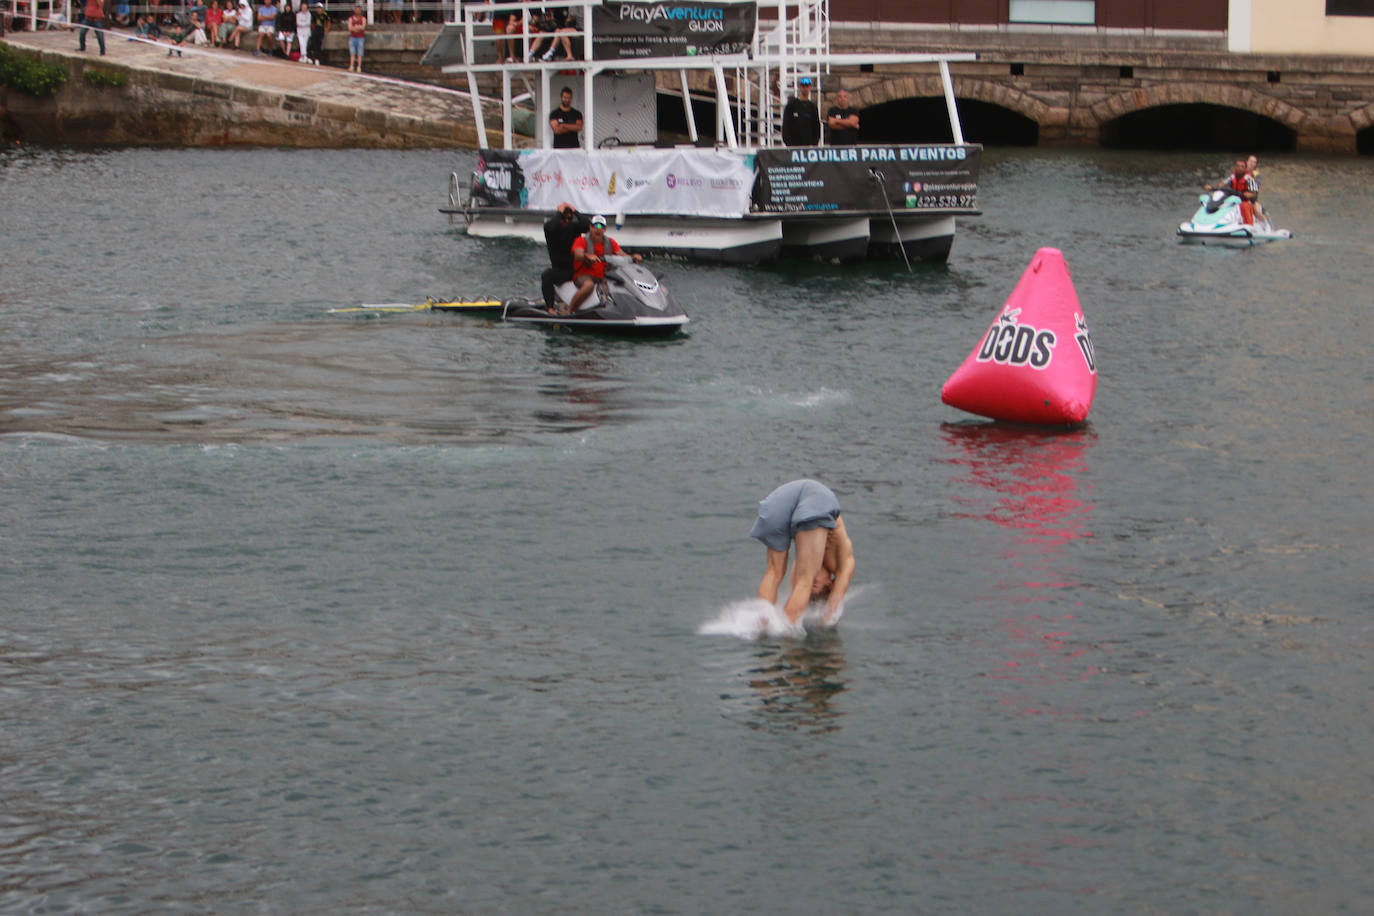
(922, 177)
(498, 181)
(679, 182)
(671, 28)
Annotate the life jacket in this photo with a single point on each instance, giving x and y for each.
(596, 270)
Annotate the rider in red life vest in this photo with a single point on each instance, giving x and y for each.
(589, 260)
(1240, 182)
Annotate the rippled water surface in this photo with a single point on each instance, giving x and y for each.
(304, 612)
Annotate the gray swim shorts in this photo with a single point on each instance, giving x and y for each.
(797, 506)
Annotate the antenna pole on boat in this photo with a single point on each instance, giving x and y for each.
(948, 84)
(589, 116)
(687, 107)
(723, 117)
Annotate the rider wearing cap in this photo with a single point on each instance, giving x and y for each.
(801, 121)
(589, 260)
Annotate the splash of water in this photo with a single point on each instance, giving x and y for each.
(754, 618)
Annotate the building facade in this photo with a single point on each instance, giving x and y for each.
(1181, 15)
(1302, 27)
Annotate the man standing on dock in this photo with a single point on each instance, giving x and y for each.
(843, 121)
(566, 122)
(801, 122)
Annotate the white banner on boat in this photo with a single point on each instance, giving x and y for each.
(686, 182)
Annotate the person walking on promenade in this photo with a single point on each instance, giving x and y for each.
(92, 18)
(357, 31)
(843, 121)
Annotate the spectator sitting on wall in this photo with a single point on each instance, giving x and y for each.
(214, 18)
(244, 24)
(195, 33)
(267, 26)
(147, 27)
(286, 28)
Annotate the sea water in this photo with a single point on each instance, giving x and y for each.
(304, 612)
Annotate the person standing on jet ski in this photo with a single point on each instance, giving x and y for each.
(560, 231)
(1239, 182)
(589, 260)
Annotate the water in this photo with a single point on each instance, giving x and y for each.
(311, 613)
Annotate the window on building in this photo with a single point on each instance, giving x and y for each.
(1350, 7)
(1059, 12)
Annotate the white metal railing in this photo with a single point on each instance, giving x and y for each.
(794, 44)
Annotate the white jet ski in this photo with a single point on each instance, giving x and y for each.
(1218, 222)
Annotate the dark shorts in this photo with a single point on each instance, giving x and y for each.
(797, 506)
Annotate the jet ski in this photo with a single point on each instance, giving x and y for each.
(1218, 222)
(630, 301)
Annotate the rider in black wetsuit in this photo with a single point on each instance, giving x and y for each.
(560, 231)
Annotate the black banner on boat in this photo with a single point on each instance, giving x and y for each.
(498, 181)
(819, 178)
(671, 28)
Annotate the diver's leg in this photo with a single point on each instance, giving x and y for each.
(810, 555)
(773, 575)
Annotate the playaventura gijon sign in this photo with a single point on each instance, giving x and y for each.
(633, 29)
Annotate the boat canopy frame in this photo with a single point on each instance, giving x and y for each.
(783, 51)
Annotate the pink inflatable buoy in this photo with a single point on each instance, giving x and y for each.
(1035, 363)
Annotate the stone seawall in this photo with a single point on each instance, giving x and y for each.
(224, 98)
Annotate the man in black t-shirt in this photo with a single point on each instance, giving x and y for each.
(843, 121)
(560, 231)
(565, 122)
(801, 122)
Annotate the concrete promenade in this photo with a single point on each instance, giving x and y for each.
(210, 97)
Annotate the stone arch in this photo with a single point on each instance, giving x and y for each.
(922, 87)
(1362, 118)
(1258, 103)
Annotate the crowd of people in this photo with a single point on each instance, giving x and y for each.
(287, 29)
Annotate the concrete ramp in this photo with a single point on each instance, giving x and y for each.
(212, 96)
